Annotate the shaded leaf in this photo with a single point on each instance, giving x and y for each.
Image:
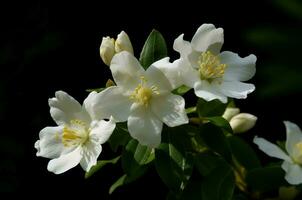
(100, 164)
(210, 108)
(154, 49)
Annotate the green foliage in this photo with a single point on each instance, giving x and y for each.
(119, 137)
(266, 178)
(219, 184)
(210, 108)
(243, 153)
(214, 138)
(100, 164)
(181, 90)
(173, 164)
(154, 49)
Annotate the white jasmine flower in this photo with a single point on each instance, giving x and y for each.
(240, 122)
(292, 164)
(109, 47)
(212, 74)
(143, 98)
(78, 136)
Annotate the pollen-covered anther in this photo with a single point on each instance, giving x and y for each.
(142, 93)
(210, 66)
(75, 133)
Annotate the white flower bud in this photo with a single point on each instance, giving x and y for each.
(243, 122)
(123, 43)
(230, 112)
(107, 50)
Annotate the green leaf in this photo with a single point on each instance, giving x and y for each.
(119, 137)
(214, 138)
(173, 164)
(191, 110)
(118, 183)
(154, 49)
(206, 162)
(100, 164)
(221, 122)
(135, 159)
(181, 90)
(243, 153)
(210, 108)
(219, 184)
(266, 178)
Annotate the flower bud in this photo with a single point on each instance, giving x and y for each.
(123, 43)
(230, 112)
(243, 122)
(107, 50)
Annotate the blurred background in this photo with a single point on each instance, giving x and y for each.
(47, 46)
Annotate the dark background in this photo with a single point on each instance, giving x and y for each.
(46, 46)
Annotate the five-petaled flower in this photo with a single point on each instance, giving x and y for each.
(78, 136)
(142, 97)
(292, 164)
(212, 74)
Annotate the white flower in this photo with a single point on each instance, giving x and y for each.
(240, 122)
(212, 74)
(78, 136)
(143, 98)
(109, 47)
(292, 164)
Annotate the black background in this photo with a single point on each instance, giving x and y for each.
(47, 46)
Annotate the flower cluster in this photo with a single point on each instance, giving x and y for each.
(146, 99)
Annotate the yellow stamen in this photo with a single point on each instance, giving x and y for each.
(75, 133)
(142, 93)
(210, 66)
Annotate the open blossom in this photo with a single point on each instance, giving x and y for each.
(292, 164)
(143, 98)
(109, 47)
(240, 122)
(78, 136)
(212, 74)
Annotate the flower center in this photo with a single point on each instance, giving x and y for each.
(76, 133)
(210, 66)
(142, 93)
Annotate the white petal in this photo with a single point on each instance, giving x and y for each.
(156, 77)
(238, 69)
(209, 92)
(65, 162)
(170, 109)
(50, 143)
(112, 102)
(144, 126)
(182, 46)
(89, 105)
(170, 70)
(270, 149)
(126, 70)
(102, 130)
(236, 89)
(207, 37)
(293, 173)
(293, 136)
(91, 152)
(64, 108)
(189, 75)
